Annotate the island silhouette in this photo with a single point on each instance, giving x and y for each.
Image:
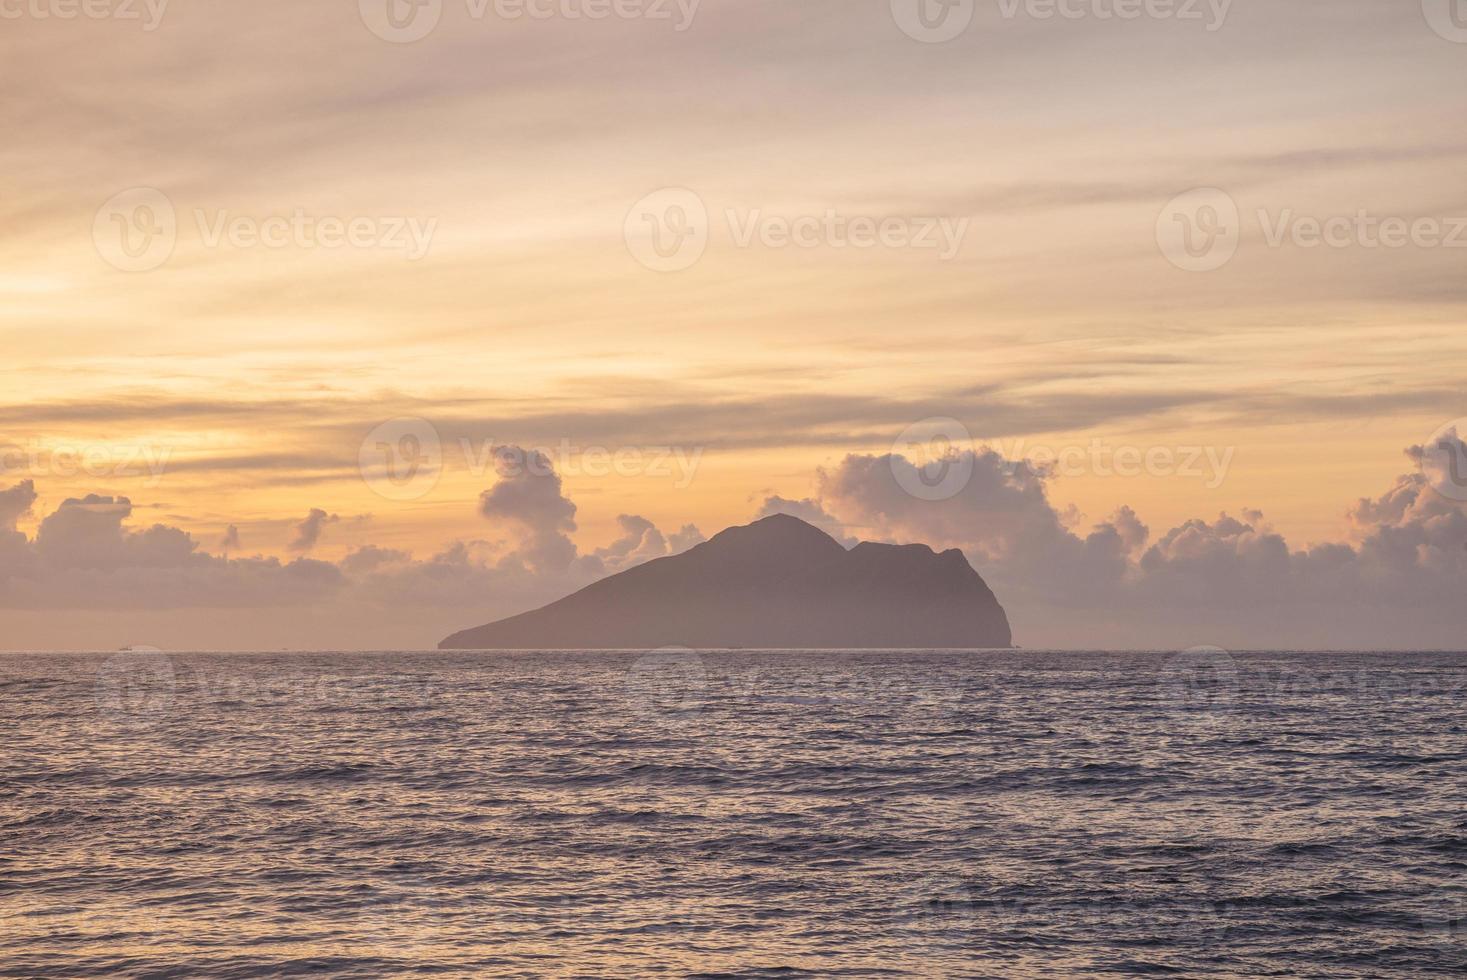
(777, 583)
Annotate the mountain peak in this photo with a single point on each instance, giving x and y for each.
(777, 535)
(775, 524)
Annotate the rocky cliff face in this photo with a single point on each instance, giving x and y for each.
(778, 582)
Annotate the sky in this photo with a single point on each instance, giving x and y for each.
(352, 325)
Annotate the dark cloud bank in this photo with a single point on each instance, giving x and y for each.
(88, 574)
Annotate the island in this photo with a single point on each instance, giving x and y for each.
(779, 583)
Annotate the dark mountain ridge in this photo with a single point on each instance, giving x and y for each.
(776, 583)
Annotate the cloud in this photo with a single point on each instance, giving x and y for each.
(1129, 529)
(685, 537)
(640, 541)
(89, 533)
(89, 560)
(308, 531)
(1232, 580)
(1032, 400)
(530, 499)
(15, 503)
(85, 557)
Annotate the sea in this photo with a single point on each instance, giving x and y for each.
(733, 814)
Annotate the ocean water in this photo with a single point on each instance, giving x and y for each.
(734, 814)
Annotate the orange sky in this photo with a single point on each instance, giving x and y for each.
(518, 151)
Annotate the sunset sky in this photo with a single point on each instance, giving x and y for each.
(233, 383)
